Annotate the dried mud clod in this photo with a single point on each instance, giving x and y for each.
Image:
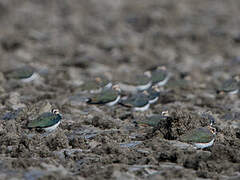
(57, 141)
(184, 120)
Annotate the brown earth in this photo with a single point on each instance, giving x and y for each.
(68, 42)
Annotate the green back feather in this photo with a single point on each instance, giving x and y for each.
(158, 75)
(229, 85)
(45, 120)
(105, 96)
(153, 93)
(137, 100)
(153, 120)
(199, 135)
(21, 73)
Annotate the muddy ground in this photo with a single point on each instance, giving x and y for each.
(68, 42)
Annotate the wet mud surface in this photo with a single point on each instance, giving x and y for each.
(71, 42)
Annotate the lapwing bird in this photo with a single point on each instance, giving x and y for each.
(160, 76)
(25, 74)
(138, 101)
(153, 120)
(108, 96)
(47, 121)
(230, 86)
(202, 137)
(142, 82)
(153, 94)
(96, 85)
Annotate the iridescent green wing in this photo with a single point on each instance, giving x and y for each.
(158, 75)
(229, 85)
(140, 101)
(152, 121)
(106, 96)
(136, 100)
(21, 73)
(199, 135)
(44, 120)
(153, 93)
(127, 102)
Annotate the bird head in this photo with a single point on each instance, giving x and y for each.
(161, 68)
(55, 111)
(116, 87)
(212, 129)
(147, 73)
(156, 88)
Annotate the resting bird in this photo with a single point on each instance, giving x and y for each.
(202, 137)
(160, 76)
(153, 121)
(48, 121)
(142, 82)
(153, 94)
(138, 101)
(230, 86)
(108, 96)
(25, 74)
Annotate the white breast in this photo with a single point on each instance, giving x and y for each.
(144, 87)
(153, 100)
(52, 128)
(31, 78)
(114, 102)
(144, 108)
(162, 83)
(204, 145)
(234, 92)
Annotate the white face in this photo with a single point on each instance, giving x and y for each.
(156, 88)
(55, 111)
(165, 113)
(212, 129)
(237, 78)
(145, 92)
(116, 87)
(147, 73)
(98, 79)
(161, 68)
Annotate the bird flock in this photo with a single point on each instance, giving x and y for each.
(148, 88)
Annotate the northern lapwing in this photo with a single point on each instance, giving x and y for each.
(153, 94)
(138, 101)
(47, 121)
(160, 76)
(24, 74)
(201, 138)
(153, 120)
(108, 96)
(142, 82)
(230, 86)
